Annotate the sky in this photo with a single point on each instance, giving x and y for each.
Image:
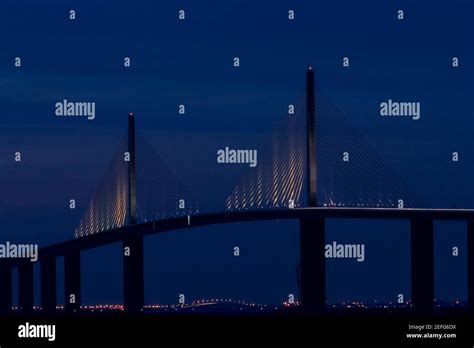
(191, 62)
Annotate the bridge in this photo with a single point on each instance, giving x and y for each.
(288, 183)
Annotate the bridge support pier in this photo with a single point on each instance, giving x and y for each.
(313, 265)
(422, 265)
(5, 288)
(25, 286)
(72, 281)
(470, 265)
(133, 275)
(48, 284)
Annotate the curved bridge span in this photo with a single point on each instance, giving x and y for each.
(160, 226)
(312, 259)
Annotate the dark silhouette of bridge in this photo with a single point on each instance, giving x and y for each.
(272, 191)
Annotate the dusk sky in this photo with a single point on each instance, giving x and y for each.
(190, 62)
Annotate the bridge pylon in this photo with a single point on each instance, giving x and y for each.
(132, 180)
(312, 230)
(72, 281)
(470, 264)
(25, 287)
(6, 289)
(133, 274)
(48, 284)
(311, 160)
(422, 265)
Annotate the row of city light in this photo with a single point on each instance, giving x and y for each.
(353, 304)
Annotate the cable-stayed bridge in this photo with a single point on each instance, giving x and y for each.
(314, 166)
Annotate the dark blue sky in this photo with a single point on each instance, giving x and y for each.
(190, 62)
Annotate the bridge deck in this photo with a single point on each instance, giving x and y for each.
(159, 226)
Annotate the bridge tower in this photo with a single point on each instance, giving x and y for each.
(132, 180)
(312, 230)
(133, 275)
(311, 137)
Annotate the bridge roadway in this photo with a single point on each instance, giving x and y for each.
(312, 260)
(159, 226)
